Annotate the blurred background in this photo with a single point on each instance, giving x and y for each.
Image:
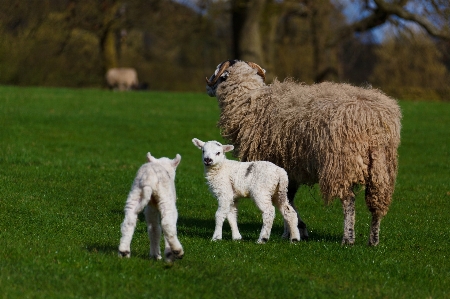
(400, 46)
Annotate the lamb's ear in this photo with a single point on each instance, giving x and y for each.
(176, 161)
(150, 158)
(198, 143)
(227, 148)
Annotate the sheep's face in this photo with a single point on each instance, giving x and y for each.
(220, 74)
(213, 152)
(223, 71)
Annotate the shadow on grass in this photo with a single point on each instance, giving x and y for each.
(204, 229)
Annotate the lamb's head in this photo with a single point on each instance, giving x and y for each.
(169, 164)
(213, 152)
(226, 69)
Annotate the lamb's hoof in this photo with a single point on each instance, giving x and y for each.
(262, 241)
(295, 240)
(124, 254)
(173, 255)
(155, 257)
(303, 231)
(238, 238)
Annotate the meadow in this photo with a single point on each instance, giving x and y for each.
(67, 161)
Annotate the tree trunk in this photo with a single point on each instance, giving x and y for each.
(109, 50)
(247, 43)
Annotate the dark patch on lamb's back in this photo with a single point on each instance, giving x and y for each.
(249, 169)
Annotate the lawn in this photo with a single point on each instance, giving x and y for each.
(67, 161)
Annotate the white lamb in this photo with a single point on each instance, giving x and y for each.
(154, 189)
(262, 181)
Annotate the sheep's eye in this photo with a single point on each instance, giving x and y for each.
(218, 154)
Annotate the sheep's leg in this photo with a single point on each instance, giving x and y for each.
(133, 206)
(348, 205)
(268, 215)
(379, 190)
(169, 215)
(152, 218)
(222, 212)
(292, 190)
(232, 220)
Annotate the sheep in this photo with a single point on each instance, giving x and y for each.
(262, 181)
(122, 78)
(153, 189)
(336, 135)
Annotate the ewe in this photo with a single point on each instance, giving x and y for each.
(262, 181)
(154, 189)
(336, 135)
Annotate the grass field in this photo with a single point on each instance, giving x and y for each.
(67, 161)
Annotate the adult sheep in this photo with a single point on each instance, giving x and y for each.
(122, 78)
(336, 135)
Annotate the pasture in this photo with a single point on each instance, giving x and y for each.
(67, 161)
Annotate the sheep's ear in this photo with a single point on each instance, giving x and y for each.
(176, 161)
(198, 143)
(149, 157)
(227, 148)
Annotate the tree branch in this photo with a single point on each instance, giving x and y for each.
(420, 20)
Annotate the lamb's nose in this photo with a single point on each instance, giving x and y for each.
(207, 161)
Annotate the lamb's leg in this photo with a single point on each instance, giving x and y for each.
(292, 190)
(169, 215)
(290, 219)
(154, 231)
(222, 212)
(264, 203)
(232, 220)
(133, 206)
(348, 205)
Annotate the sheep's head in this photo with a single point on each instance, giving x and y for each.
(213, 152)
(223, 71)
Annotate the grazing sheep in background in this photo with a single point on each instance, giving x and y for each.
(154, 189)
(122, 78)
(262, 181)
(336, 135)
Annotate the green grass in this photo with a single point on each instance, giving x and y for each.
(67, 161)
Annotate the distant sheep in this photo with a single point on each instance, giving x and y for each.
(336, 135)
(262, 181)
(153, 189)
(122, 78)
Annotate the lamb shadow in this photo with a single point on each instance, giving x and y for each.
(204, 229)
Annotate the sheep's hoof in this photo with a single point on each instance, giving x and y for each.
(294, 240)
(347, 242)
(124, 254)
(262, 241)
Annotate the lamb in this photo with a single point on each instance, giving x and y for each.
(336, 135)
(122, 78)
(262, 181)
(154, 189)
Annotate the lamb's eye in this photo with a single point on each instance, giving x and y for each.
(218, 154)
